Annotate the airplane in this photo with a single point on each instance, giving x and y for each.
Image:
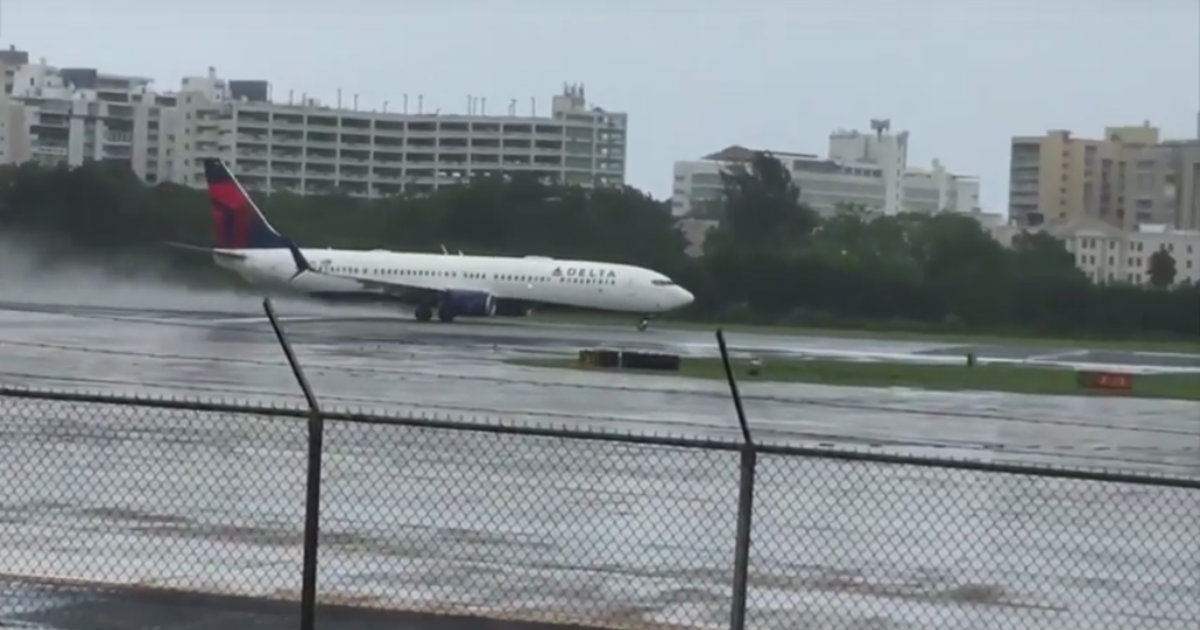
(462, 285)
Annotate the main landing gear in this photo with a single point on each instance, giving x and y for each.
(643, 324)
(424, 313)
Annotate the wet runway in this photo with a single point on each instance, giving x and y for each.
(477, 522)
(361, 358)
(80, 606)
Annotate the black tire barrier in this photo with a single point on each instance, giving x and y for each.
(650, 361)
(629, 359)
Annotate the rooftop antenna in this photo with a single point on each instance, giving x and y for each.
(483, 106)
(880, 125)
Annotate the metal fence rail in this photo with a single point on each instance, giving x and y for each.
(563, 526)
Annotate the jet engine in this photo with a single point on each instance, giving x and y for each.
(511, 308)
(468, 303)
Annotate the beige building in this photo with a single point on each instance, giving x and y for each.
(1126, 179)
(1111, 255)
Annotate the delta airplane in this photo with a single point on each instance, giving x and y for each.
(470, 286)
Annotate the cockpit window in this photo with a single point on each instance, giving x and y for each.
(662, 283)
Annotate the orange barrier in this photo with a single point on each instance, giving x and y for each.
(1105, 380)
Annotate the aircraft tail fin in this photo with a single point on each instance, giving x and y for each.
(237, 221)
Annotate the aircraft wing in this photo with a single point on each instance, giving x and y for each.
(400, 289)
(393, 287)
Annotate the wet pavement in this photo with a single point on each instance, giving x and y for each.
(76, 606)
(363, 358)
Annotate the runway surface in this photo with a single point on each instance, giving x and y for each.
(477, 522)
(362, 359)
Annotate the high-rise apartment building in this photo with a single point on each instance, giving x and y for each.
(1127, 179)
(869, 169)
(1163, 184)
(76, 115)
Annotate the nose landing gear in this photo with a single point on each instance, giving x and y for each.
(644, 323)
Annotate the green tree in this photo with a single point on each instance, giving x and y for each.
(1161, 269)
(762, 204)
(772, 260)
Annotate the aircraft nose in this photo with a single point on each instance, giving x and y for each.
(685, 297)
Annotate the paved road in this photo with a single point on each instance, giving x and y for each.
(30, 604)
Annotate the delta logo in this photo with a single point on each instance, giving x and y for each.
(583, 272)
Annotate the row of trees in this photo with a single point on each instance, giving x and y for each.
(771, 260)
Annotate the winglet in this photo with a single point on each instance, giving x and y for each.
(298, 258)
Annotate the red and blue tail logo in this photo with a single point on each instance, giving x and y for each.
(237, 221)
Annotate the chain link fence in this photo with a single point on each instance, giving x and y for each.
(846, 544)
(561, 527)
(106, 492)
(535, 527)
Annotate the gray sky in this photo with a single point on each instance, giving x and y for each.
(962, 76)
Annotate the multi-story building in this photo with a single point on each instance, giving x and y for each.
(868, 169)
(308, 148)
(1163, 184)
(1126, 179)
(10, 61)
(1108, 254)
(75, 115)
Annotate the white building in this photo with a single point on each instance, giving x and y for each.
(308, 148)
(861, 168)
(53, 115)
(695, 232)
(1110, 255)
(75, 115)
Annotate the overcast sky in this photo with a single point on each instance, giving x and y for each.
(962, 76)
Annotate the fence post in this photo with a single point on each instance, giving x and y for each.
(749, 463)
(312, 501)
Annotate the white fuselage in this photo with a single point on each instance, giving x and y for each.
(578, 283)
